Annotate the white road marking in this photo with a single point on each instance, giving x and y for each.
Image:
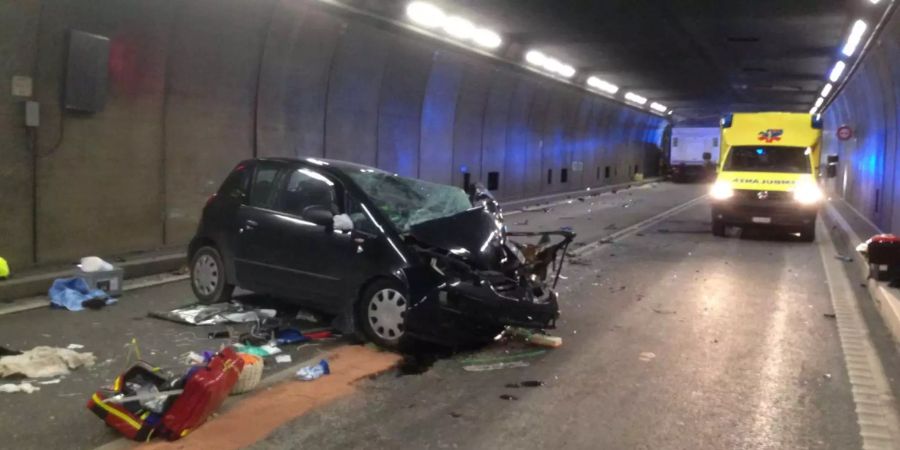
(593, 246)
(879, 423)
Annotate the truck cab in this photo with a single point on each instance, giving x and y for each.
(768, 173)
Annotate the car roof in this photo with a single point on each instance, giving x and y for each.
(331, 165)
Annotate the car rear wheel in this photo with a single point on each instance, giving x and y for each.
(208, 277)
(718, 228)
(382, 313)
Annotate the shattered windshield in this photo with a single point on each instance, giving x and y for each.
(407, 201)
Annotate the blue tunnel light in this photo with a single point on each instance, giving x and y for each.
(760, 151)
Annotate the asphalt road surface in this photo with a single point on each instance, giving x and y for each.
(674, 339)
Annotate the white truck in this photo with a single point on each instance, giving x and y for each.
(694, 154)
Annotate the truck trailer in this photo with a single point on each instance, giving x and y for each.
(694, 154)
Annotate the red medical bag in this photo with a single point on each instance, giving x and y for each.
(884, 249)
(130, 418)
(205, 389)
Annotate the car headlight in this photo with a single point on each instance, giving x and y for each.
(721, 190)
(808, 193)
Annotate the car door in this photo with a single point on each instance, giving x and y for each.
(256, 247)
(320, 264)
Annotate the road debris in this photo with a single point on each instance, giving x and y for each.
(508, 397)
(664, 311)
(74, 294)
(830, 315)
(533, 337)
(495, 366)
(44, 362)
(646, 356)
(197, 314)
(250, 376)
(315, 371)
(25, 387)
(283, 359)
(844, 258)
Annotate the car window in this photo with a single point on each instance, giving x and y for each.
(238, 182)
(262, 193)
(305, 188)
(361, 220)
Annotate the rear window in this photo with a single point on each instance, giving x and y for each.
(768, 159)
(238, 182)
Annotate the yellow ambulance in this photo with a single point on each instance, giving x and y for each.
(768, 172)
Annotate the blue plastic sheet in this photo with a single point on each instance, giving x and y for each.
(72, 293)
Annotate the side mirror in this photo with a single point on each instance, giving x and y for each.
(707, 156)
(319, 215)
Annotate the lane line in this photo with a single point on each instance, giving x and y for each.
(879, 423)
(609, 239)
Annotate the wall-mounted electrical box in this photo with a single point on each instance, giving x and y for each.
(32, 114)
(86, 72)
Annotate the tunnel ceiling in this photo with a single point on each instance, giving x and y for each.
(700, 57)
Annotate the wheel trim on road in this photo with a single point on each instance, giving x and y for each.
(206, 274)
(386, 313)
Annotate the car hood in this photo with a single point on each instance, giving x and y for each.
(474, 235)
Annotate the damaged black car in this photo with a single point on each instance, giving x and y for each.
(391, 257)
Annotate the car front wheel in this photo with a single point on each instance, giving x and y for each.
(382, 313)
(208, 277)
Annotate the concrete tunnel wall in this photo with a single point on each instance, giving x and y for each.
(870, 104)
(196, 86)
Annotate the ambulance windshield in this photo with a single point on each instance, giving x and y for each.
(768, 158)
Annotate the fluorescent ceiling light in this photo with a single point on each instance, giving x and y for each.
(552, 64)
(658, 107)
(603, 85)
(670, 112)
(487, 38)
(819, 102)
(874, 2)
(566, 71)
(827, 89)
(425, 14)
(631, 96)
(459, 28)
(813, 110)
(837, 71)
(856, 34)
(535, 57)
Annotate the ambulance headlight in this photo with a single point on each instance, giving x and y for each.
(808, 193)
(721, 190)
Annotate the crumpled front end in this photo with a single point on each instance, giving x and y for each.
(455, 301)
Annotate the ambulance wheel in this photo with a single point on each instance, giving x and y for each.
(208, 277)
(808, 233)
(382, 313)
(718, 228)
